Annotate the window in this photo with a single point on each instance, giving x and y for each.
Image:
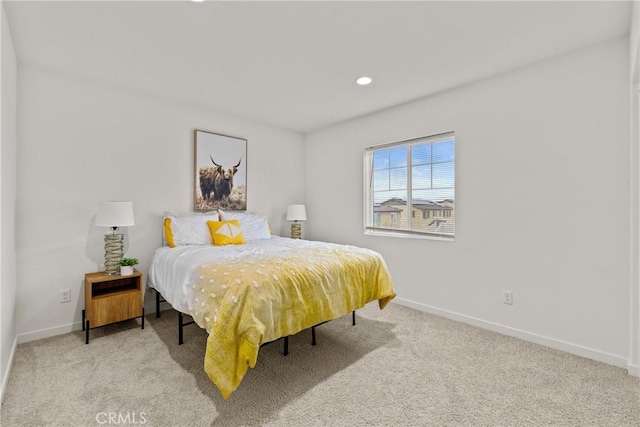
(415, 174)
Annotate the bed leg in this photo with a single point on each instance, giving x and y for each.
(180, 337)
(286, 346)
(157, 304)
(313, 335)
(353, 318)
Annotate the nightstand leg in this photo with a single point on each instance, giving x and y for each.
(142, 317)
(83, 320)
(86, 332)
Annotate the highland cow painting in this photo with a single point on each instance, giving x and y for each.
(220, 172)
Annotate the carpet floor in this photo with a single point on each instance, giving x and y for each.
(396, 367)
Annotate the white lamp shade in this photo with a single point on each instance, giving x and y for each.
(296, 213)
(115, 214)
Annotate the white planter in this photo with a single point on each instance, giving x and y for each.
(126, 270)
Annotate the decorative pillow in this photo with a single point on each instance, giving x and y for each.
(226, 232)
(253, 225)
(182, 230)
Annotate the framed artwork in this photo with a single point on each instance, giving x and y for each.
(220, 172)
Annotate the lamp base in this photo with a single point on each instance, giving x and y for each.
(296, 231)
(113, 246)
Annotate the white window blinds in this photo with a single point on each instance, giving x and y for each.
(410, 187)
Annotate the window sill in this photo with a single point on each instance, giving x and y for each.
(383, 233)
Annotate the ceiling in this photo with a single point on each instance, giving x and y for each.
(293, 64)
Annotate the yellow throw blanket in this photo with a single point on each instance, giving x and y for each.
(248, 301)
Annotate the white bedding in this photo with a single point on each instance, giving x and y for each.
(172, 269)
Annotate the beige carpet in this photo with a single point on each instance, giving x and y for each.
(396, 367)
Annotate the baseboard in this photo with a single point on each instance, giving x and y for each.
(578, 350)
(7, 372)
(589, 353)
(49, 332)
(151, 308)
(70, 327)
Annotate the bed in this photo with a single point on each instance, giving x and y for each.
(245, 295)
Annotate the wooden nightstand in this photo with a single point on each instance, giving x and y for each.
(110, 299)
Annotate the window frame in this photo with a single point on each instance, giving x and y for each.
(369, 226)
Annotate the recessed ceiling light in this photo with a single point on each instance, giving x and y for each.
(364, 80)
(197, 1)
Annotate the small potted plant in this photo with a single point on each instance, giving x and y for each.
(126, 266)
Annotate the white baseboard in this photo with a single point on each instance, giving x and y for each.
(589, 353)
(70, 327)
(164, 306)
(578, 350)
(49, 332)
(7, 372)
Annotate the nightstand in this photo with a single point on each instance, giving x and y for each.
(111, 299)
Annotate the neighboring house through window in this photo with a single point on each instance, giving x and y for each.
(411, 176)
(376, 218)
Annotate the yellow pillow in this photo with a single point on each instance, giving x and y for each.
(226, 232)
(167, 233)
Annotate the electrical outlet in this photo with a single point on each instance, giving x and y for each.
(507, 297)
(65, 295)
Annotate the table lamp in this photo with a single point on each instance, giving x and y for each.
(114, 215)
(296, 213)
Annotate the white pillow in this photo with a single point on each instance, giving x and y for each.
(252, 225)
(182, 230)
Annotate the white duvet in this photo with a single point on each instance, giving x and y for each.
(172, 269)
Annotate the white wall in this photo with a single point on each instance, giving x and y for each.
(81, 143)
(542, 201)
(634, 294)
(8, 78)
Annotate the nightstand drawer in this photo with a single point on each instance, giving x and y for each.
(110, 299)
(111, 308)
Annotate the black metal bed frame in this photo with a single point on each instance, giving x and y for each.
(285, 351)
